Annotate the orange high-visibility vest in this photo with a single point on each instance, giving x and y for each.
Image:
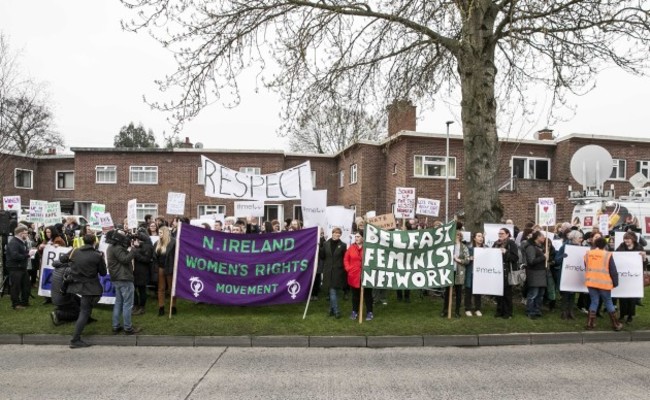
(597, 265)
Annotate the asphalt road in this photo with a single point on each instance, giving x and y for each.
(588, 371)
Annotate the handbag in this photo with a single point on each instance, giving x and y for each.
(517, 277)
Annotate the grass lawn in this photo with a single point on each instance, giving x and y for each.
(419, 317)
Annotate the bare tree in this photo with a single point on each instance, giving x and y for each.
(376, 51)
(330, 129)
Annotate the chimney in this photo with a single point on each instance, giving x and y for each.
(544, 134)
(187, 144)
(401, 116)
(51, 151)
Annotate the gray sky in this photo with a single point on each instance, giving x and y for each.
(97, 75)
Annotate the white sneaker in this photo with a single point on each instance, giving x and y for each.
(468, 313)
(478, 314)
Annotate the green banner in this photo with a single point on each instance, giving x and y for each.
(408, 259)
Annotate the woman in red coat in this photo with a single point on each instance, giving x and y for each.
(353, 265)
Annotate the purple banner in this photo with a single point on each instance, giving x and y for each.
(245, 270)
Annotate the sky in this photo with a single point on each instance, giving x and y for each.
(97, 74)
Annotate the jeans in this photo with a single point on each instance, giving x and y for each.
(534, 300)
(334, 303)
(123, 304)
(596, 294)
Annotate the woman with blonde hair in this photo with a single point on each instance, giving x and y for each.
(164, 259)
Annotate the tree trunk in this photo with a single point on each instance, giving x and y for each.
(478, 113)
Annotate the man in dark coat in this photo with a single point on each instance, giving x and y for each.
(87, 264)
(141, 270)
(334, 276)
(17, 258)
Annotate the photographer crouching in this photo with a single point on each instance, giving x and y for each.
(86, 264)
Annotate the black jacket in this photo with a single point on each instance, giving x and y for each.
(17, 254)
(120, 264)
(59, 299)
(166, 260)
(334, 275)
(86, 264)
(142, 266)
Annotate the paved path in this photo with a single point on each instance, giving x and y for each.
(619, 370)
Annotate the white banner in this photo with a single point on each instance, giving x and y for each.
(245, 209)
(226, 183)
(629, 266)
(573, 269)
(175, 204)
(11, 203)
(404, 202)
(314, 204)
(491, 233)
(105, 221)
(487, 276)
(37, 211)
(340, 217)
(428, 207)
(132, 214)
(52, 213)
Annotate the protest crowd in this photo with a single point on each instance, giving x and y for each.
(142, 258)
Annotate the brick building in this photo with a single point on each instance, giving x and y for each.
(363, 176)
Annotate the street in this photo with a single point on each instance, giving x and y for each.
(593, 371)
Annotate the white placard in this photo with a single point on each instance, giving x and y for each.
(546, 211)
(132, 213)
(404, 202)
(618, 238)
(214, 217)
(491, 232)
(52, 213)
(573, 269)
(105, 221)
(340, 217)
(11, 203)
(245, 209)
(226, 183)
(37, 211)
(95, 210)
(629, 266)
(314, 205)
(603, 224)
(428, 207)
(487, 276)
(175, 204)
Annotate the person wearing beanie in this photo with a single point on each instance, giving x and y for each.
(17, 258)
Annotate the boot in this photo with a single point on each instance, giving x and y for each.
(570, 315)
(617, 326)
(161, 311)
(591, 320)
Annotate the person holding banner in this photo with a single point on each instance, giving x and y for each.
(461, 259)
(568, 298)
(478, 240)
(601, 277)
(627, 306)
(164, 260)
(332, 252)
(510, 257)
(353, 266)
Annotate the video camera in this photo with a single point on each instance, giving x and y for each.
(625, 228)
(118, 236)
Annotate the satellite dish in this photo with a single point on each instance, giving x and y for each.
(198, 145)
(591, 166)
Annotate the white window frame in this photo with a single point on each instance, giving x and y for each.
(341, 178)
(207, 209)
(56, 179)
(394, 168)
(313, 179)
(105, 170)
(144, 171)
(643, 166)
(142, 209)
(200, 176)
(526, 171)
(353, 174)
(618, 169)
(251, 170)
(438, 161)
(31, 178)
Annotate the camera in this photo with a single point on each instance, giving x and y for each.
(118, 236)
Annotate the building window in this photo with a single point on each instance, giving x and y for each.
(618, 172)
(201, 177)
(64, 180)
(207, 209)
(434, 167)
(143, 175)
(341, 178)
(23, 178)
(395, 169)
(643, 167)
(106, 174)
(353, 173)
(143, 209)
(313, 179)
(531, 168)
(251, 170)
